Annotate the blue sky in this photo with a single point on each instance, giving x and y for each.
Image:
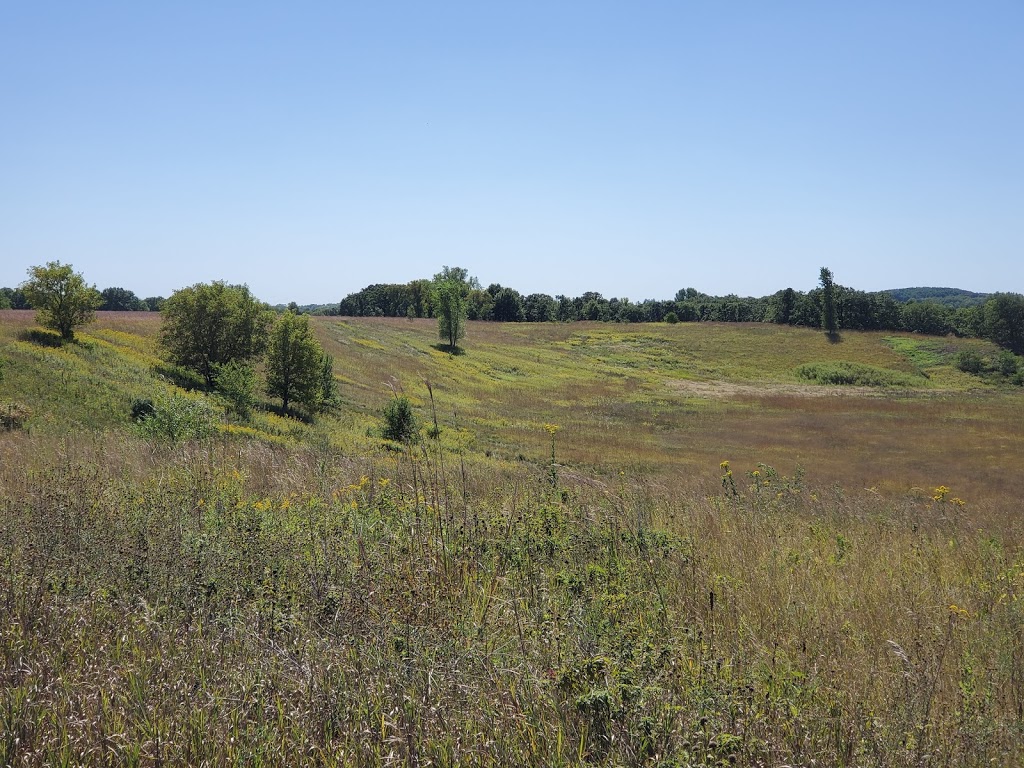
(632, 148)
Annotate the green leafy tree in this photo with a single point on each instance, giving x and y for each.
(828, 302)
(328, 384)
(451, 288)
(121, 300)
(1002, 321)
(209, 324)
(61, 298)
(295, 363)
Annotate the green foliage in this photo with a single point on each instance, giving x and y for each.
(970, 361)
(450, 303)
(208, 324)
(928, 317)
(399, 423)
(121, 300)
(843, 373)
(828, 303)
(236, 384)
(953, 298)
(61, 298)
(671, 318)
(176, 417)
(295, 363)
(1003, 321)
(329, 397)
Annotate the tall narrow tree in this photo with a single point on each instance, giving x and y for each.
(828, 302)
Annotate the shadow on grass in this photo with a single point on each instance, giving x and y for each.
(180, 376)
(449, 349)
(43, 338)
(292, 413)
(834, 338)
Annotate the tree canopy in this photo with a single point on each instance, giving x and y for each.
(61, 298)
(208, 324)
(295, 364)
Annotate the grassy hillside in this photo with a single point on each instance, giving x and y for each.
(727, 562)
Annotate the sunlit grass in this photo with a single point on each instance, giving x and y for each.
(708, 561)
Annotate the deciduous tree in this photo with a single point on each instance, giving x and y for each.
(295, 363)
(61, 298)
(208, 324)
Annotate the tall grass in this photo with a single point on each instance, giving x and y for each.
(601, 594)
(232, 603)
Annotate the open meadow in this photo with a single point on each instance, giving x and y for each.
(644, 545)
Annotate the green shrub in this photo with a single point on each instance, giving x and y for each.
(400, 422)
(671, 318)
(236, 384)
(970, 361)
(1007, 363)
(176, 417)
(142, 409)
(843, 373)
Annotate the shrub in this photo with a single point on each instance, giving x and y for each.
(399, 421)
(142, 409)
(236, 384)
(176, 417)
(843, 373)
(1007, 363)
(970, 361)
(671, 318)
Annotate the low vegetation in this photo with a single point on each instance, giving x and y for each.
(705, 562)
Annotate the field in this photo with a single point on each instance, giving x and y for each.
(659, 545)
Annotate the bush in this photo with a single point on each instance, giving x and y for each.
(400, 422)
(843, 373)
(1007, 363)
(970, 361)
(236, 384)
(671, 318)
(176, 417)
(142, 409)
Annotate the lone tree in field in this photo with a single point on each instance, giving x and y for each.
(828, 302)
(61, 298)
(451, 287)
(209, 324)
(297, 368)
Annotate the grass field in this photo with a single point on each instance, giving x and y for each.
(727, 562)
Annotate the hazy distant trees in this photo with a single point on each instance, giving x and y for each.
(61, 298)
(121, 300)
(208, 324)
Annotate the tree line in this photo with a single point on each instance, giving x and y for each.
(453, 296)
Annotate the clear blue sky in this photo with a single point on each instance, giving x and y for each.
(632, 148)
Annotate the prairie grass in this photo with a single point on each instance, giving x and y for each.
(846, 589)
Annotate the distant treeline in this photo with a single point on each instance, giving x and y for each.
(936, 311)
(927, 310)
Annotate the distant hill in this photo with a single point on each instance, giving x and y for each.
(951, 297)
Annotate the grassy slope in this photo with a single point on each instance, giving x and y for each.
(281, 601)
